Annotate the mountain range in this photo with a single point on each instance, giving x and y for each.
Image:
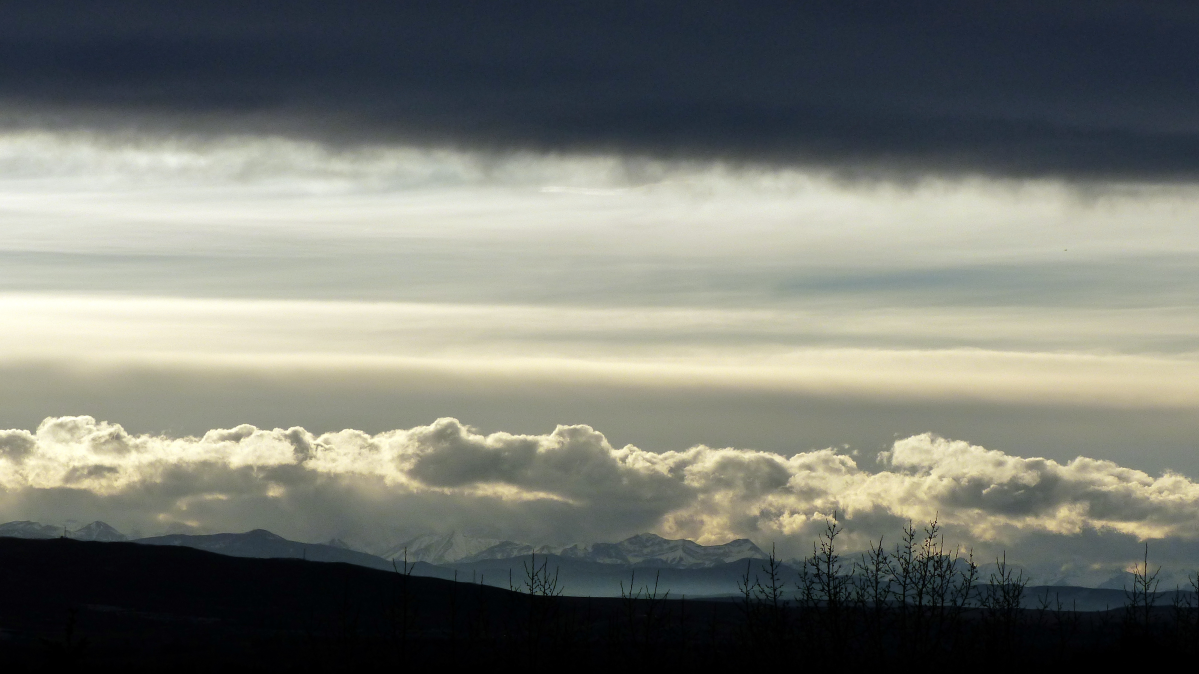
(597, 569)
(640, 550)
(96, 531)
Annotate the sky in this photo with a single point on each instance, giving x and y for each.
(564, 272)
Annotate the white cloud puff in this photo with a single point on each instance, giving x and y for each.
(566, 485)
(16, 445)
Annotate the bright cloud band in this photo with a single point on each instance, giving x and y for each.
(430, 475)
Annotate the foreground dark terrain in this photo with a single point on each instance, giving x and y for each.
(122, 606)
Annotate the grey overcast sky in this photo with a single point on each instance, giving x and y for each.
(754, 261)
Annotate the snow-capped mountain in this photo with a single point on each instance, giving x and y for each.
(640, 550)
(26, 529)
(440, 548)
(449, 548)
(508, 550)
(653, 550)
(96, 531)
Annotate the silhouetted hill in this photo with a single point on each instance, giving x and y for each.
(264, 544)
(176, 605)
(1084, 598)
(122, 606)
(125, 606)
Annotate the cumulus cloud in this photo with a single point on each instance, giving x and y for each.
(566, 485)
(16, 445)
(997, 491)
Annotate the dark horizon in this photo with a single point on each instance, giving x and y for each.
(122, 606)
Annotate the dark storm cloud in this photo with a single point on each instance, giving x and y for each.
(1098, 89)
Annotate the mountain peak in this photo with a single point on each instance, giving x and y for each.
(98, 531)
(653, 550)
(263, 534)
(645, 538)
(28, 529)
(440, 548)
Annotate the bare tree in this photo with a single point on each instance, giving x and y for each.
(1002, 602)
(771, 592)
(644, 610)
(826, 585)
(1141, 597)
(1186, 615)
(402, 607)
(873, 575)
(542, 592)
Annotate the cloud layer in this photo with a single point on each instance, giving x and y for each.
(571, 484)
(1044, 88)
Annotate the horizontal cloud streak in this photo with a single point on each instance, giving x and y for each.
(265, 217)
(886, 354)
(568, 484)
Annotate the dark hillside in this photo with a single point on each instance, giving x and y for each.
(131, 606)
(114, 606)
(264, 544)
(185, 607)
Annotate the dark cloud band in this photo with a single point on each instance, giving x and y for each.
(1101, 91)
